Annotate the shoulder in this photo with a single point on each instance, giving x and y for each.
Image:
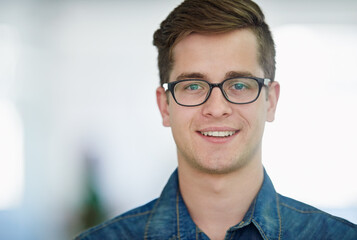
(129, 225)
(307, 222)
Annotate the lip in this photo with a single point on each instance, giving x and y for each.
(216, 139)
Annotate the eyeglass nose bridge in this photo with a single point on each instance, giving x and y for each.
(220, 86)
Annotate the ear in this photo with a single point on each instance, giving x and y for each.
(273, 97)
(162, 103)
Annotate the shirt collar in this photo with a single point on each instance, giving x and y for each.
(264, 212)
(170, 218)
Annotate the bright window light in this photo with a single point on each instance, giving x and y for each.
(11, 157)
(311, 148)
(11, 132)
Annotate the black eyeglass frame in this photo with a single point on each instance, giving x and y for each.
(170, 86)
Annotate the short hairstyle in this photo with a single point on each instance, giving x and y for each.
(213, 16)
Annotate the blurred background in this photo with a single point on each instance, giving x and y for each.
(81, 138)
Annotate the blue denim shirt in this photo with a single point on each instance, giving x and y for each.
(270, 216)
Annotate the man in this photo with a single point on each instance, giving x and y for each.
(217, 68)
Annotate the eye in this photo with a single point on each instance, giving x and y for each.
(239, 86)
(193, 87)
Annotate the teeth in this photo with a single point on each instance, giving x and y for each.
(218, 133)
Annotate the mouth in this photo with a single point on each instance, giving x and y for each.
(219, 134)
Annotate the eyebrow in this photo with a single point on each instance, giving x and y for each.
(235, 74)
(195, 75)
(198, 75)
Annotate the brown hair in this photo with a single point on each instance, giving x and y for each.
(213, 16)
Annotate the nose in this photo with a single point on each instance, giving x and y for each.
(217, 106)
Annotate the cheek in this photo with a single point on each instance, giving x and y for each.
(179, 117)
(259, 123)
(183, 121)
(254, 116)
(180, 128)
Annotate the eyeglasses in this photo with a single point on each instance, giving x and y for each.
(194, 92)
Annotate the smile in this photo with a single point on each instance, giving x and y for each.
(218, 133)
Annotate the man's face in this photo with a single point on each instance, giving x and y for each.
(214, 58)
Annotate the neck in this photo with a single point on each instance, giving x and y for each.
(217, 202)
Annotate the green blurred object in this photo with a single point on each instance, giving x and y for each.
(92, 211)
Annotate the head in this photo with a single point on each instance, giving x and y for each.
(216, 41)
(212, 16)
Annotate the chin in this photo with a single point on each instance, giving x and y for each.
(217, 167)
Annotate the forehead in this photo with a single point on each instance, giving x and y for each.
(213, 55)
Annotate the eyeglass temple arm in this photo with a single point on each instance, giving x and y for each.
(267, 81)
(165, 86)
